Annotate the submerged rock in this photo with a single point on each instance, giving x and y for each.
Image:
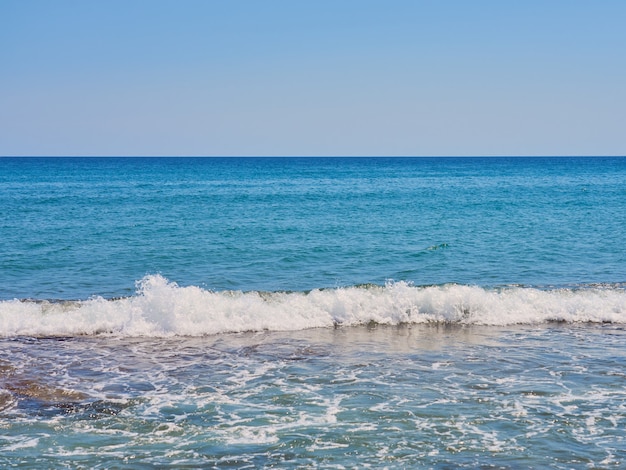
(37, 390)
(7, 400)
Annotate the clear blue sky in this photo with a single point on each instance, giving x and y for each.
(317, 77)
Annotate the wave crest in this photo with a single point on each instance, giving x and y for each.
(163, 308)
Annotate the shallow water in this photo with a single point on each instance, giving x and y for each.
(421, 396)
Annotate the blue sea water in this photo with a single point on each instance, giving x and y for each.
(313, 312)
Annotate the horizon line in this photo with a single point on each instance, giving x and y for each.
(314, 156)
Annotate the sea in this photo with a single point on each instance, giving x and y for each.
(313, 313)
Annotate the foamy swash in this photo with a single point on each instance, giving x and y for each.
(162, 308)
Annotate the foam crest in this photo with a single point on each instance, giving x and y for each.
(162, 308)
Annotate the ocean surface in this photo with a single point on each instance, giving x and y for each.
(313, 312)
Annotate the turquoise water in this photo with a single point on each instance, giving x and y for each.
(312, 312)
(73, 228)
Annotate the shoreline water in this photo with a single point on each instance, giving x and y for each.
(422, 395)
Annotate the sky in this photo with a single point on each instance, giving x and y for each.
(317, 77)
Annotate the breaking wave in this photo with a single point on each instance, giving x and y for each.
(163, 308)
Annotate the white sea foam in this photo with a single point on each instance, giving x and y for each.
(162, 308)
